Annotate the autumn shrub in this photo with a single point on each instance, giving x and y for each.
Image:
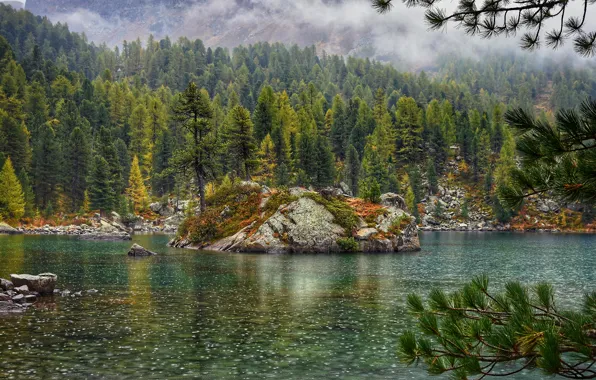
(230, 209)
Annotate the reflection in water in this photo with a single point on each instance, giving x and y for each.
(12, 255)
(214, 315)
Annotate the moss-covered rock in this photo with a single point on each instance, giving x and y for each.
(297, 221)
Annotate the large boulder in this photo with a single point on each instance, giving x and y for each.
(155, 207)
(302, 226)
(393, 200)
(162, 209)
(8, 230)
(43, 283)
(6, 285)
(138, 251)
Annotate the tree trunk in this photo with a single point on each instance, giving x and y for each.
(201, 181)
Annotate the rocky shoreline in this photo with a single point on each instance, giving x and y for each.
(23, 290)
(99, 228)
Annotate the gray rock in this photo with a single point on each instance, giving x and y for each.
(393, 200)
(428, 220)
(365, 233)
(137, 251)
(30, 298)
(92, 291)
(23, 289)
(155, 207)
(8, 230)
(19, 298)
(332, 192)
(116, 217)
(167, 211)
(43, 283)
(302, 226)
(5, 297)
(101, 236)
(7, 307)
(6, 285)
(345, 188)
(548, 205)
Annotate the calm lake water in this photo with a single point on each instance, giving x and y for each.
(213, 315)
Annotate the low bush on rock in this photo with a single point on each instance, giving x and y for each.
(229, 210)
(348, 244)
(399, 224)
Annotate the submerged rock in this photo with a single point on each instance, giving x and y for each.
(43, 283)
(137, 250)
(107, 236)
(7, 307)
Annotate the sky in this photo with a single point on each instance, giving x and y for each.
(342, 27)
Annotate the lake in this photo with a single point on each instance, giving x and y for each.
(217, 315)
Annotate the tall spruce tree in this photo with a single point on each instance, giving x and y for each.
(325, 163)
(409, 126)
(101, 191)
(339, 128)
(264, 114)
(431, 177)
(28, 194)
(163, 178)
(15, 141)
(76, 170)
(352, 169)
(46, 166)
(194, 113)
(241, 144)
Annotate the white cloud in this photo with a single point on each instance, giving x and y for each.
(342, 27)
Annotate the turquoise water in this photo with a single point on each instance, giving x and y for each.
(238, 316)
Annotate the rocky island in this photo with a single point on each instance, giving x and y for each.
(248, 217)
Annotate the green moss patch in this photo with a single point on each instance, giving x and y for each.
(343, 214)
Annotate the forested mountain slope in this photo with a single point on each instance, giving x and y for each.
(92, 128)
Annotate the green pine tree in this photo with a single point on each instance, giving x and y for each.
(78, 162)
(241, 144)
(194, 113)
(352, 169)
(101, 191)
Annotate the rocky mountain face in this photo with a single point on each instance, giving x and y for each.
(217, 23)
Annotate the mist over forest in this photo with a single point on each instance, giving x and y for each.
(345, 27)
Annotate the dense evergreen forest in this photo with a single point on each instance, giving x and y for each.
(85, 127)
